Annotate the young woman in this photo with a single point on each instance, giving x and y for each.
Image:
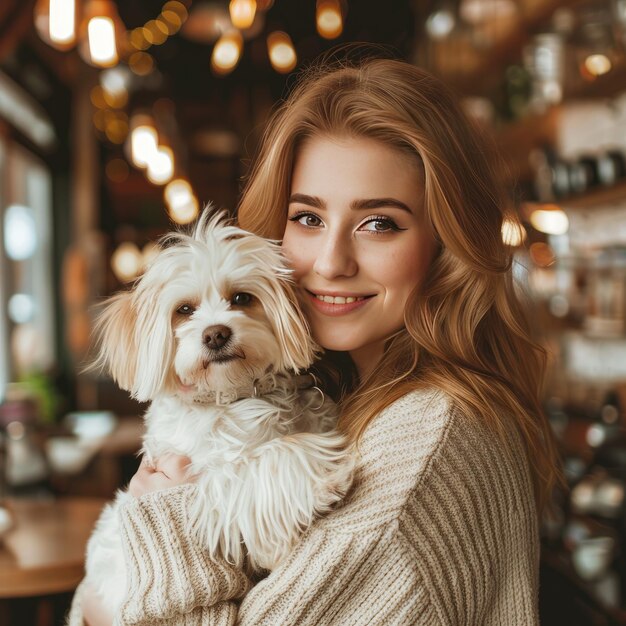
(391, 217)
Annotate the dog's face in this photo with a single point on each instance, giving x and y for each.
(214, 311)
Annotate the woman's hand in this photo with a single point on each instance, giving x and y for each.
(168, 471)
(95, 610)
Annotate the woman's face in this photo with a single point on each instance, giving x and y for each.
(358, 241)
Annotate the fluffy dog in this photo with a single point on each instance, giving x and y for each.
(211, 335)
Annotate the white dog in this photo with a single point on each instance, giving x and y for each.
(212, 336)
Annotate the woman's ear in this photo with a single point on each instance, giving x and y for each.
(115, 336)
(297, 348)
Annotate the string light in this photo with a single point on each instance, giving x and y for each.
(181, 201)
(143, 144)
(242, 13)
(328, 19)
(281, 52)
(126, 261)
(160, 166)
(598, 64)
(62, 26)
(550, 219)
(227, 52)
(102, 48)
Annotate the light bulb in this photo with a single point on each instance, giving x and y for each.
(281, 52)
(550, 221)
(226, 52)
(242, 13)
(160, 166)
(102, 48)
(62, 22)
(328, 19)
(144, 144)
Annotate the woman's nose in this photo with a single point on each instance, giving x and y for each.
(335, 258)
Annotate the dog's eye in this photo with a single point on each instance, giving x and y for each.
(241, 299)
(185, 309)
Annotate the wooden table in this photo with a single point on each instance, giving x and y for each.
(43, 554)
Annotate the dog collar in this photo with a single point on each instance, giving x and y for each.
(261, 387)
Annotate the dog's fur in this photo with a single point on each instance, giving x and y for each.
(266, 466)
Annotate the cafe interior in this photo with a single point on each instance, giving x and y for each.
(121, 119)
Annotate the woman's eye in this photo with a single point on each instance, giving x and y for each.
(185, 309)
(380, 225)
(241, 299)
(306, 219)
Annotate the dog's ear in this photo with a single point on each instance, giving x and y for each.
(135, 342)
(115, 336)
(297, 348)
(154, 340)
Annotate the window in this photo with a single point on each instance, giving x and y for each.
(26, 279)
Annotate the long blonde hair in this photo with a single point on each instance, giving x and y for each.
(465, 331)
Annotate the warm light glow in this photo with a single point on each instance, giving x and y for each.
(141, 63)
(172, 21)
(20, 232)
(440, 23)
(281, 52)
(158, 32)
(513, 233)
(102, 48)
(178, 193)
(597, 64)
(328, 19)
(181, 201)
(185, 213)
(126, 261)
(550, 220)
(144, 144)
(226, 52)
(62, 22)
(479, 11)
(114, 81)
(161, 166)
(242, 13)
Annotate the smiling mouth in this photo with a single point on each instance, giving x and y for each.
(339, 299)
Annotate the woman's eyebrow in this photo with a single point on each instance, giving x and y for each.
(376, 203)
(367, 204)
(302, 198)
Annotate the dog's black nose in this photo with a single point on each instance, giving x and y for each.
(216, 337)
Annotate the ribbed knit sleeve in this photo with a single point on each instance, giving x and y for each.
(472, 527)
(439, 529)
(168, 571)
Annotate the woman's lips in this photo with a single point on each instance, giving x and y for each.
(332, 308)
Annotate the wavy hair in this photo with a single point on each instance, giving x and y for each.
(465, 331)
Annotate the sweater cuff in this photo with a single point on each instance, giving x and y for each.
(169, 573)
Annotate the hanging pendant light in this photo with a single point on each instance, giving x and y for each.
(242, 13)
(281, 52)
(55, 21)
(101, 29)
(329, 19)
(227, 52)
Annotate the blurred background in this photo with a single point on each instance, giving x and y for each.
(121, 118)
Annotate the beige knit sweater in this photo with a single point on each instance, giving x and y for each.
(439, 529)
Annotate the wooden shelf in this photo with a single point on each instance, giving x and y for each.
(601, 196)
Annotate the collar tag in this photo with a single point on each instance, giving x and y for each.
(224, 398)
